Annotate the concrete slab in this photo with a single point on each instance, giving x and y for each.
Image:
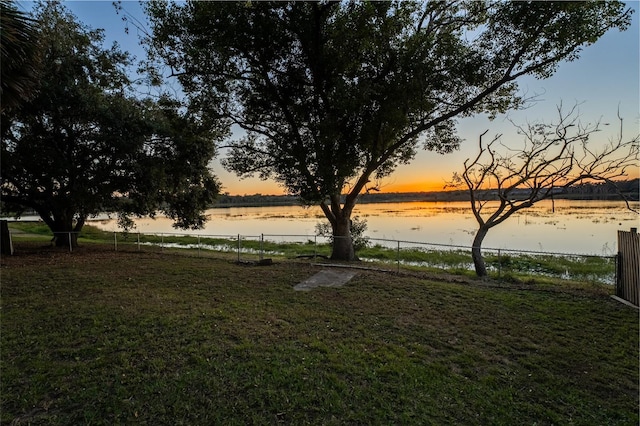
(326, 278)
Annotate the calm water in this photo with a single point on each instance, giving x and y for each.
(583, 227)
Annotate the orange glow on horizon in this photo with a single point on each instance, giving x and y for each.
(269, 188)
(246, 187)
(415, 186)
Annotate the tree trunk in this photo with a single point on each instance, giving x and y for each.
(65, 233)
(342, 243)
(64, 238)
(340, 218)
(476, 252)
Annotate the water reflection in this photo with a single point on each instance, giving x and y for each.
(569, 226)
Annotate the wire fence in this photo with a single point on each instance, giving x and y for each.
(375, 253)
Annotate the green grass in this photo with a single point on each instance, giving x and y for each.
(98, 337)
(517, 266)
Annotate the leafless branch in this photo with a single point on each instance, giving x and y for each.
(551, 157)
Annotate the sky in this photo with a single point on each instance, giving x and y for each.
(604, 80)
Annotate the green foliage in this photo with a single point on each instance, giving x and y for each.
(578, 267)
(18, 56)
(83, 145)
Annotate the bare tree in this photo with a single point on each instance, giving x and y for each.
(551, 158)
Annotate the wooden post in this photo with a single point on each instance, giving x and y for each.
(6, 245)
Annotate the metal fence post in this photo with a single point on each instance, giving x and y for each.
(261, 246)
(162, 242)
(70, 244)
(398, 256)
(198, 245)
(499, 264)
(315, 247)
(115, 241)
(138, 241)
(238, 247)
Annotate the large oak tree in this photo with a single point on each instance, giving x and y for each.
(83, 144)
(334, 95)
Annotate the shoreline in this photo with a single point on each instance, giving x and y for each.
(259, 200)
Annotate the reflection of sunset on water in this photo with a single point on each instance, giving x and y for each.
(588, 227)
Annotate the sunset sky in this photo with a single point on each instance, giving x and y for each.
(603, 80)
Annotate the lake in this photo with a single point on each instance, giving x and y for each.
(580, 227)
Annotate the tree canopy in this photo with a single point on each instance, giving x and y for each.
(334, 95)
(18, 56)
(84, 144)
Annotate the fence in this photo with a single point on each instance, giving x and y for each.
(377, 253)
(503, 262)
(628, 268)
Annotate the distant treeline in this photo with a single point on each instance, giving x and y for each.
(585, 191)
(604, 191)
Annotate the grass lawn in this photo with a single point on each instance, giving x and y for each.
(103, 337)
